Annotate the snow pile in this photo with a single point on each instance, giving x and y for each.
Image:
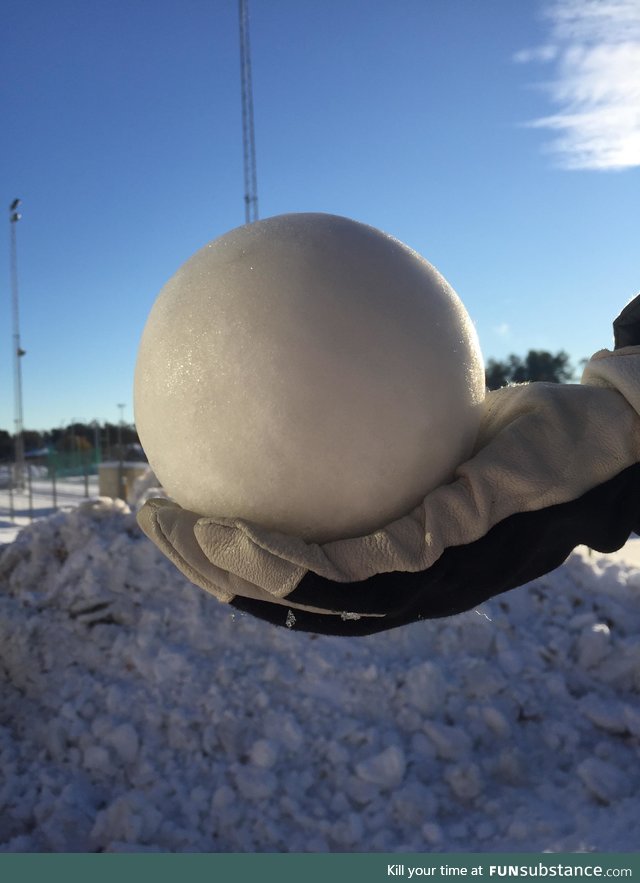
(138, 713)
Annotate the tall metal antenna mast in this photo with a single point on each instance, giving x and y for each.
(248, 134)
(18, 352)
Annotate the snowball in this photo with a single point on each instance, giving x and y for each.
(309, 373)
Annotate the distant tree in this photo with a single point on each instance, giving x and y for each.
(538, 365)
(497, 374)
(33, 440)
(77, 437)
(126, 431)
(72, 444)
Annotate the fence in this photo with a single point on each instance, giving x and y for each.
(57, 480)
(45, 484)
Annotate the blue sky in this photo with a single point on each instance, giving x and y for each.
(500, 139)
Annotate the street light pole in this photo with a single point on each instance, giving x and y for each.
(120, 424)
(121, 488)
(18, 352)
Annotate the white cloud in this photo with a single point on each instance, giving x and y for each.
(595, 48)
(536, 53)
(503, 330)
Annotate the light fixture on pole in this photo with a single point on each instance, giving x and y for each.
(18, 352)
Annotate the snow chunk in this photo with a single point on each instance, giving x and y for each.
(124, 739)
(386, 769)
(255, 783)
(605, 714)
(465, 780)
(432, 833)
(603, 780)
(451, 743)
(593, 645)
(425, 688)
(264, 753)
(96, 757)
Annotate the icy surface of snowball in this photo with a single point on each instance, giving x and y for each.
(308, 373)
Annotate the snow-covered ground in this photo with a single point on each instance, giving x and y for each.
(138, 713)
(69, 493)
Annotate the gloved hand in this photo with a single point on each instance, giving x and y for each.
(554, 466)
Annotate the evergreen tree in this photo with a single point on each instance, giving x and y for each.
(538, 365)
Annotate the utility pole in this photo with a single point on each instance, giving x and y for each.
(248, 133)
(18, 352)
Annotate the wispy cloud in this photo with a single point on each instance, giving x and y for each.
(594, 46)
(503, 330)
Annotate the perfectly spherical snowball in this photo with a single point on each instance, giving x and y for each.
(308, 373)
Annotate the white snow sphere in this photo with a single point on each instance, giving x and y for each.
(308, 373)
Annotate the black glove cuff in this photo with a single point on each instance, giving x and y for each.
(626, 328)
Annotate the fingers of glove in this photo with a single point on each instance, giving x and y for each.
(171, 528)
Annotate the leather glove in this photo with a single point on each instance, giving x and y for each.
(554, 466)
